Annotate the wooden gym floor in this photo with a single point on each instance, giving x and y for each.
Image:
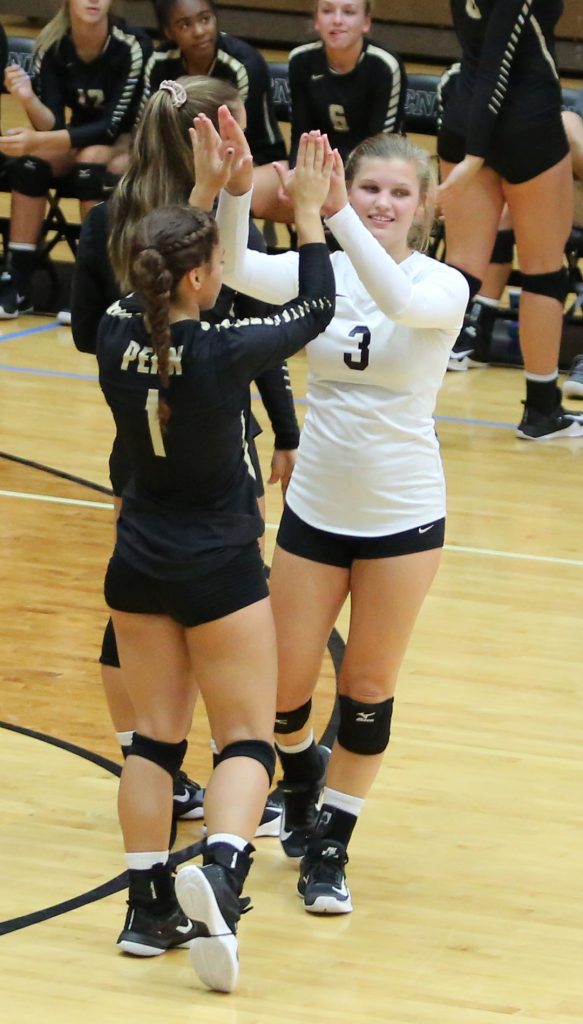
(466, 866)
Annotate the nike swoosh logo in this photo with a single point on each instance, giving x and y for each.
(284, 834)
(184, 928)
(181, 798)
(424, 529)
(316, 78)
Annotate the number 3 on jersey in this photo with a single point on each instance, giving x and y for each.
(363, 346)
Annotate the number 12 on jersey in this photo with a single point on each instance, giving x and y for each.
(363, 346)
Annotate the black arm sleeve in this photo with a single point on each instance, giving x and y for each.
(252, 348)
(124, 97)
(93, 287)
(46, 82)
(387, 112)
(263, 134)
(300, 105)
(508, 21)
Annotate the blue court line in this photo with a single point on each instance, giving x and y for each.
(298, 401)
(30, 330)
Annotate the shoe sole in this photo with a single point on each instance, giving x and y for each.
(458, 365)
(571, 389)
(575, 429)
(194, 815)
(477, 364)
(214, 958)
(143, 949)
(328, 905)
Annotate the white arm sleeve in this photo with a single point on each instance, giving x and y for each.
(439, 301)
(268, 278)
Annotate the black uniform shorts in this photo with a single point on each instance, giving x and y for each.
(120, 467)
(520, 148)
(232, 586)
(342, 550)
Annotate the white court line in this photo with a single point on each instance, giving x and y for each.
(455, 548)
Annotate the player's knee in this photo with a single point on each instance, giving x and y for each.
(292, 721)
(553, 285)
(168, 756)
(109, 652)
(88, 181)
(257, 750)
(365, 728)
(31, 176)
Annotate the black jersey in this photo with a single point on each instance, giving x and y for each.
(103, 95)
(508, 67)
(191, 497)
(348, 107)
(94, 288)
(242, 65)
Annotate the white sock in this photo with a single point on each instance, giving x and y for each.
(226, 837)
(296, 748)
(542, 378)
(343, 801)
(144, 861)
(125, 739)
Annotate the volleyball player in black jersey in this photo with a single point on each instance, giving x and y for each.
(91, 64)
(195, 46)
(161, 171)
(502, 139)
(185, 583)
(343, 83)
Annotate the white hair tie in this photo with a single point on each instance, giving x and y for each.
(176, 90)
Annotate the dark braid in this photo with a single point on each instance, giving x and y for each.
(168, 243)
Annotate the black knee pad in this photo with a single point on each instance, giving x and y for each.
(554, 284)
(503, 250)
(31, 176)
(168, 756)
(110, 180)
(109, 654)
(87, 181)
(474, 283)
(292, 721)
(258, 750)
(364, 728)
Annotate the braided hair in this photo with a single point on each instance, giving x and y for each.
(167, 244)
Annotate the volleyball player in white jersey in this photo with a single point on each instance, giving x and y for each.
(366, 503)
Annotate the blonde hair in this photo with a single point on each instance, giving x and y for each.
(161, 169)
(397, 147)
(54, 30)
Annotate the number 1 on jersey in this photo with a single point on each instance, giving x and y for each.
(363, 345)
(154, 423)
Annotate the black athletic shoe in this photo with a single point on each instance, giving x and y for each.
(300, 810)
(270, 824)
(536, 426)
(208, 894)
(147, 934)
(188, 797)
(12, 304)
(472, 346)
(573, 386)
(322, 881)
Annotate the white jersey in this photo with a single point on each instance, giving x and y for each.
(368, 463)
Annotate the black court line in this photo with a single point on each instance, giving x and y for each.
(56, 472)
(101, 891)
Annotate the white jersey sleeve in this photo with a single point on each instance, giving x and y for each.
(438, 302)
(266, 277)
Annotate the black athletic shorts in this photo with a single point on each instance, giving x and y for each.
(342, 550)
(120, 468)
(518, 152)
(229, 588)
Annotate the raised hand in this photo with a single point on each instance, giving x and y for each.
(309, 184)
(337, 196)
(233, 136)
(213, 162)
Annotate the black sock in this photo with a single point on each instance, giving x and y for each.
(335, 824)
(542, 395)
(22, 265)
(303, 765)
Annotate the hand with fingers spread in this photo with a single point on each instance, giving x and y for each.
(233, 136)
(213, 162)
